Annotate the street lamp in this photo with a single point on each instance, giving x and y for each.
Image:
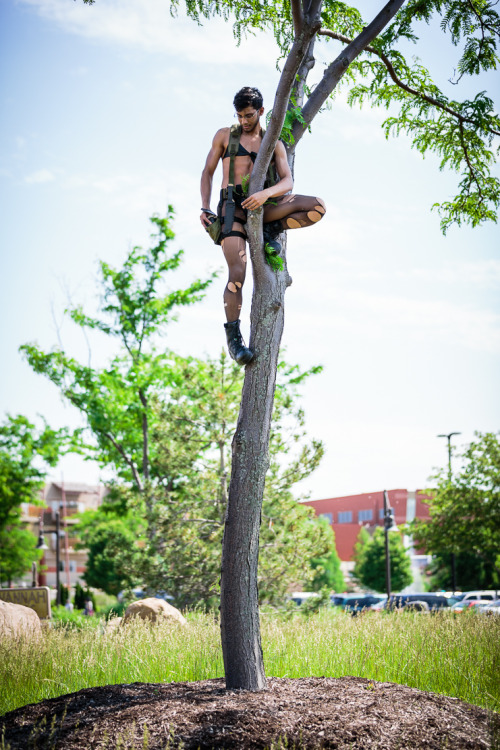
(453, 558)
(389, 525)
(58, 559)
(449, 437)
(41, 538)
(41, 545)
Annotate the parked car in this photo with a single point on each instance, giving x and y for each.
(491, 608)
(486, 595)
(142, 594)
(404, 601)
(301, 596)
(467, 604)
(355, 603)
(337, 600)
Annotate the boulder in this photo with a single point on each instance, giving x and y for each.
(16, 620)
(154, 610)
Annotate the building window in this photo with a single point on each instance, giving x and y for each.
(364, 515)
(345, 516)
(327, 516)
(72, 566)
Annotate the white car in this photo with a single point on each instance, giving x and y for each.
(491, 608)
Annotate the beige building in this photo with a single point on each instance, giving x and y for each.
(68, 499)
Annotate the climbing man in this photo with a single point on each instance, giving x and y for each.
(282, 210)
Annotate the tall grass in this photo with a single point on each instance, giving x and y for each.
(456, 656)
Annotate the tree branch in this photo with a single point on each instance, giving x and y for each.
(297, 15)
(419, 94)
(127, 460)
(338, 67)
(145, 446)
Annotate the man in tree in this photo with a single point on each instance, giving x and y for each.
(282, 210)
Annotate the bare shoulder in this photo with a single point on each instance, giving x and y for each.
(221, 137)
(280, 150)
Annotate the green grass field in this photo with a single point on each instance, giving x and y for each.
(457, 656)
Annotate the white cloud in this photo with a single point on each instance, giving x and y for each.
(39, 177)
(148, 25)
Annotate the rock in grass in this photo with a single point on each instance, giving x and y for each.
(16, 620)
(154, 610)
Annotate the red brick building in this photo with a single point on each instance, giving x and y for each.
(347, 514)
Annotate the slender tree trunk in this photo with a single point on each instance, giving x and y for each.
(240, 630)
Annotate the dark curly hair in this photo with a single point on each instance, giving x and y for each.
(248, 96)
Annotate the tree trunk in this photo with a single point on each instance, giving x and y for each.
(241, 645)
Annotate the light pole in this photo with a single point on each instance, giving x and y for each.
(41, 544)
(389, 525)
(452, 559)
(58, 559)
(449, 437)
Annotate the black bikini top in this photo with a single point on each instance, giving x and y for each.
(241, 152)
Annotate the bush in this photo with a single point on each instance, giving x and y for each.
(81, 597)
(114, 610)
(61, 618)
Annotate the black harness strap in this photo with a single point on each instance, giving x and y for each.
(235, 233)
(234, 142)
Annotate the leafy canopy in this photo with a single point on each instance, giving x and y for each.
(370, 561)
(26, 452)
(460, 133)
(465, 511)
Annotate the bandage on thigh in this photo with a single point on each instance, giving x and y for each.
(295, 211)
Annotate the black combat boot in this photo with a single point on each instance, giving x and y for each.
(271, 231)
(237, 349)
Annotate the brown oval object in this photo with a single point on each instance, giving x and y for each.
(231, 287)
(313, 215)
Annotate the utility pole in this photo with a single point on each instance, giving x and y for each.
(453, 558)
(389, 525)
(58, 559)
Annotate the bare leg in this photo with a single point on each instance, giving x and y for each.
(234, 249)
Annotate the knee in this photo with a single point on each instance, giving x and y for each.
(234, 286)
(317, 212)
(320, 206)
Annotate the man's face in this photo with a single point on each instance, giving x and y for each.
(249, 118)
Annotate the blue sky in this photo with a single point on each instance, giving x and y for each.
(107, 113)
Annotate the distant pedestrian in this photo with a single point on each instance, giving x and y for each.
(69, 605)
(89, 608)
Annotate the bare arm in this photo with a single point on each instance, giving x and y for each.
(284, 185)
(214, 155)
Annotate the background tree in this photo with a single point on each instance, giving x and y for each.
(26, 452)
(105, 537)
(465, 512)
(191, 431)
(164, 424)
(370, 561)
(327, 571)
(117, 400)
(472, 572)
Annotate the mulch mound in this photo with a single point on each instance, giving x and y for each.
(307, 713)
